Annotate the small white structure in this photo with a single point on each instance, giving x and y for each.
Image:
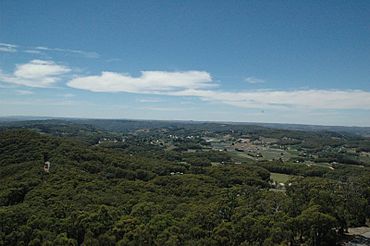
(47, 166)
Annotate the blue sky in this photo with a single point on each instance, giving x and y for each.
(257, 61)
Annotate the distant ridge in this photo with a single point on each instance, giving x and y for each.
(104, 123)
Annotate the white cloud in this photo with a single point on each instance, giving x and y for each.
(8, 47)
(199, 84)
(36, 73)
(254, 80)
(153, 82)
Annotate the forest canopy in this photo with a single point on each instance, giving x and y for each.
(134, 192)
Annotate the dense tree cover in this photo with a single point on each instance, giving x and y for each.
(137, 193)
(79, 132)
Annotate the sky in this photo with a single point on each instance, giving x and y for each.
(305, 62)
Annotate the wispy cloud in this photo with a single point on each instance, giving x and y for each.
(39, 102)
(150, 100)
(114, 60)
(68, 95)
(30, 51)
(254, 80)
(23, 92)
(315, 99)
(164, 109)
(36, 73)
(87, 54)
(152, 82)
(41, 50)
(8, 47)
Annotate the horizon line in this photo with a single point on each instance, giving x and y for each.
(180, 120)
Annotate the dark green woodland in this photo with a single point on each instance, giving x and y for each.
(162, 183)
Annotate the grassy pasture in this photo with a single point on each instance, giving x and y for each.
(280, 177)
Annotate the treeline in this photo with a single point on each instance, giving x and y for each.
(338, 172)
(294, 168)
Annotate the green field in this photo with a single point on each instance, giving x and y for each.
(280, 178)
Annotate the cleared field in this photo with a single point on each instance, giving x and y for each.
(269, 154)
(241, 156)
(320, 164)
(280, 178)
